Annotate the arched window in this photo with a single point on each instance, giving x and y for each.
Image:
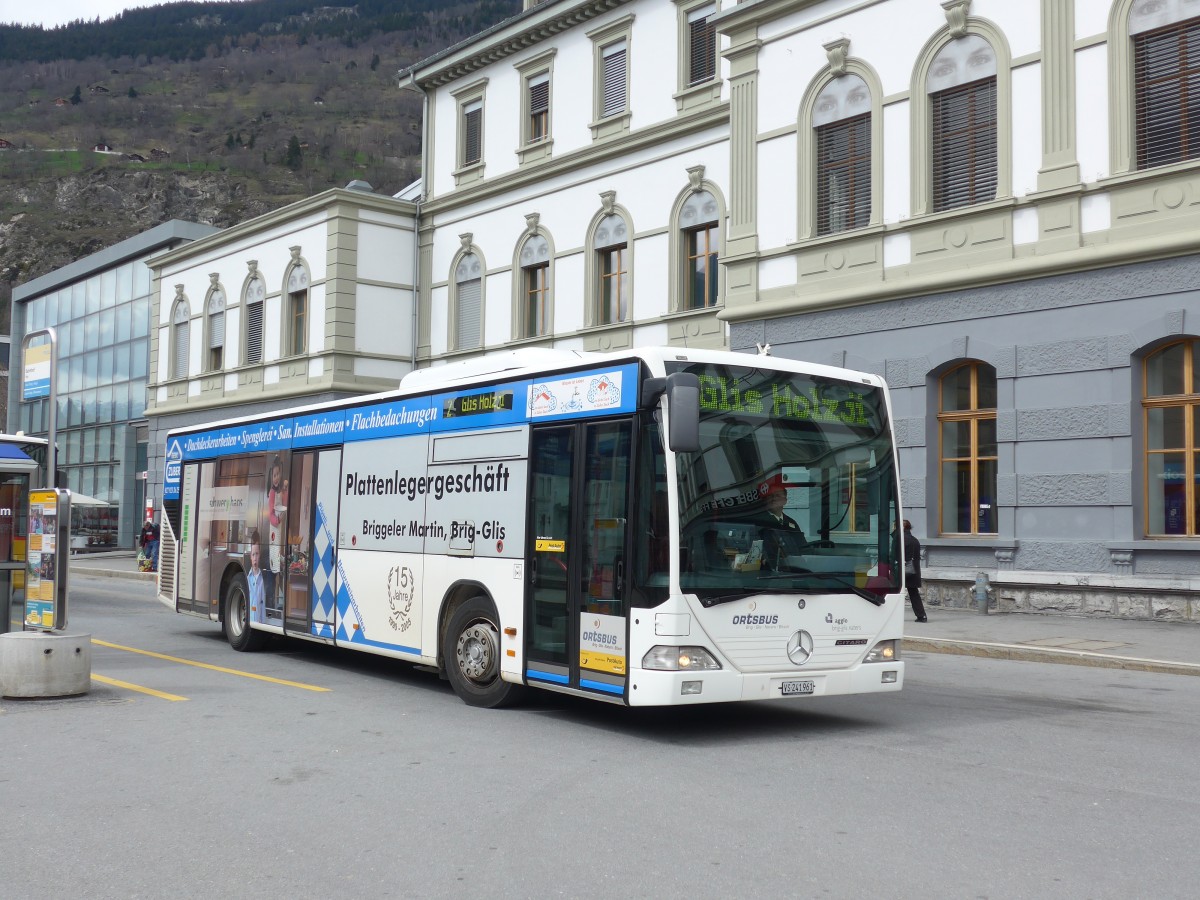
(1166, 79)
(610, 246)
(468, 303)
(181, 318)
(700, 231)
(842, 125)
(296, 325)
(1171, 407)
(961, 84)
(256, 293)
(534, 313)
(967, 451)
(215, 323)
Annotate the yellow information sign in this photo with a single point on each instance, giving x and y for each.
(545, 545)
(601, 662)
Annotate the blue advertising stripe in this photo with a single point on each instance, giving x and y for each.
(413, 415)
(474, 407)
(319, 429)
(577, 395)
(601, 686)
(546, 676)
(560, 396)
(262, 436)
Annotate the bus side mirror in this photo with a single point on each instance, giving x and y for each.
(683, 402)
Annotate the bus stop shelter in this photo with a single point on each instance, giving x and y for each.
(18, 473)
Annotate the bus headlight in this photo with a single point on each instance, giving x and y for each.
(884, 651)
(679, 659)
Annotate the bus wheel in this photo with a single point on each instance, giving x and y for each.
(237, 617)
(471, 651)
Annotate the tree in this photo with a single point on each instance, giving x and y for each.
(295, 156)
(75, 98)
(132, 92)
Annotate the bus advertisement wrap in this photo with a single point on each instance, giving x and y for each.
(393, 500)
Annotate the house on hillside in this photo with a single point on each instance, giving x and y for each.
(159, 153)
(61, 101)
(135, 157)
(102, 148)
(97, 89)
(5, 145)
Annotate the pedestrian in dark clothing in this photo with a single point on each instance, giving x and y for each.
(912, 571)
(149, 540)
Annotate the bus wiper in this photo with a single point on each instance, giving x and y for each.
(869, 596)
(726, 598)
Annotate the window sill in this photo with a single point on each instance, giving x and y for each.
(696, 96)
(991, 541)
(468, 174)
(1158, 545)
(612, 126)
(1135, 175)
(534, 153)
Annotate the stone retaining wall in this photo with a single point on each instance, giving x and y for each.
(1077, 600)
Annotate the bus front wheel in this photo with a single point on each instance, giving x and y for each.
(471, 651)
(237, 617)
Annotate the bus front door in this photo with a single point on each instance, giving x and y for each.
(576, 603)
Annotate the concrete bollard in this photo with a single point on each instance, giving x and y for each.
(40, 665)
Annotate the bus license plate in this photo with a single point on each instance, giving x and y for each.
(798, 687)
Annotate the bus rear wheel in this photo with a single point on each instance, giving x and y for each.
(237, 617)
(471, 651)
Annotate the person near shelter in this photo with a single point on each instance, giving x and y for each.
(781, 534)
(149, 542)
(912, 571)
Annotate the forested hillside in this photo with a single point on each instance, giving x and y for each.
(213, 112)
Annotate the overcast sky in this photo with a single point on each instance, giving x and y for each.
(49, 13)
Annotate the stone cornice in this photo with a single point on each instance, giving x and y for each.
(525, 30)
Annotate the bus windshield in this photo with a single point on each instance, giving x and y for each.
(793, 488)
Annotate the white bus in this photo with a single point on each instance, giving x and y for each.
(595, 524)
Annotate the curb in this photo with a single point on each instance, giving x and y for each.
(114, 573)
(1022, 653)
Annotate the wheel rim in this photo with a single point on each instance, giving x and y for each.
(237, 612)
(478, 652)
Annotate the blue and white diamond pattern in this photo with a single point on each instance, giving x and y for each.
(349, 620)
(323, 599)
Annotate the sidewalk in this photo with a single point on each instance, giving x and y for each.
(1166, 647)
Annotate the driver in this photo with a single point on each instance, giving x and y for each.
(781, 534)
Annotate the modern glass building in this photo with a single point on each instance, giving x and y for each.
(100, 308)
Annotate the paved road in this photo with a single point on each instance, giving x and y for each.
(983, 778)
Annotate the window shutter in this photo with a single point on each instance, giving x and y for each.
(1166, 74)
(614, 80)
(254, 330)
(703, 58)
(844, 175)
(539, 95)
(469, 314)
(964, 145)
(181, 350)
(472, 133)
(216, 330)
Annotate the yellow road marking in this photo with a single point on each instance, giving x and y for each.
(200, 665)
(136, 687)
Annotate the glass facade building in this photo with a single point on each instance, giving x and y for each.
(100, 308)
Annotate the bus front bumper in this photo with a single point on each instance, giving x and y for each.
(673, 688)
